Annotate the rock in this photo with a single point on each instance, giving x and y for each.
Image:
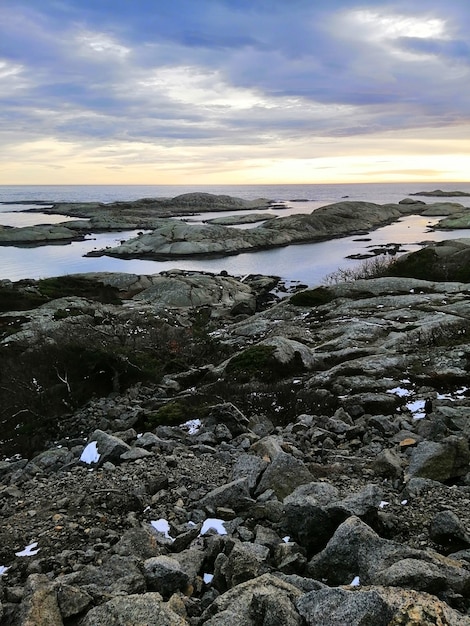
(283, 475)
(108, 447)
(363, 504)
(140, 609)
(164, 574)
(338, 607)
(413, 608)
(194, 289)
(72, 600)
(234, 494)
(118, 575)
(250, 467)
(42, 234)
(448, 531)
(439, 193)
(389, 464)
(355, 550)
(40, 606)
(177, 239)
(415, 574)
(305, 517)
(52, 460)
(441, 461)
(245, 561)
(263, 600)
(137, 542)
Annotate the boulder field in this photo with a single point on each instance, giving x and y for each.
(312, 469)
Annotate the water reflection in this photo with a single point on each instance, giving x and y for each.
(308, 263)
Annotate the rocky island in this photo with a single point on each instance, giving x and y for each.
(166, 237)
(188, 448)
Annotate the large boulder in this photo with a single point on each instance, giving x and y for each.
(442, 461)
(194, 289)
(283, 475)
(263, 600)
(102, 447)
(356, 550)
(338, 607)
(140, 609)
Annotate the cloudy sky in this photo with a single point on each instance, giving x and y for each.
(234, 91)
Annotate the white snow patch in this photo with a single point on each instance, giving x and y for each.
(162, 526)
(212, 523)
(192, 426)
(90, 453)
(29, 550)
(458, 394)
(401, 392)
(355, 582)
(417, 409)
(404, 502)
(383, 504)
(207, 578)
(3, 570)
(286, 539)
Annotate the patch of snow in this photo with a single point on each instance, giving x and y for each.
(355, 582)
(29, 550)
(3, 570)
(417, 409)
(192, 426)
(286, 539)
(162, 526)
(404, 502)
(207, 578)
(212, 523)
(90, 454)
(400, 392)
(383, 504)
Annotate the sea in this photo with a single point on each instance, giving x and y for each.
(310, 264)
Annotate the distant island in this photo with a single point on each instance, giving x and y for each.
(442, 194)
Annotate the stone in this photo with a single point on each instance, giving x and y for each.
(441, 461)
(389, 464)
(364, 504)
(338, 607)
(40, 606)
(72, 600)
(234, 494)
(245, 561)
(118, 575)
(143, 609)
(413, 573)
(250, 467)
(356, 550)
(109, 448)
(448, 531)
(283, 475)
(138, 542)
(263, 600)
(164, 574)
(305, 517)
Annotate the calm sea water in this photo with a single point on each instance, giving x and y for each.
(307, 263)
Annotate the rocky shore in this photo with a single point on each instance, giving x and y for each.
(259, 457)
(168, 238)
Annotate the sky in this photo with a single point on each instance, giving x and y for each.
(234, 91)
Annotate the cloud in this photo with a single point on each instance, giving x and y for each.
(229, 73)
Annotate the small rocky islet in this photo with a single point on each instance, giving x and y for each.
(163, 237)
(195, 448)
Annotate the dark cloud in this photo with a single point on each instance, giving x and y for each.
(231, 71)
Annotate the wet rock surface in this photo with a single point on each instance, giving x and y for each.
(313, 468)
